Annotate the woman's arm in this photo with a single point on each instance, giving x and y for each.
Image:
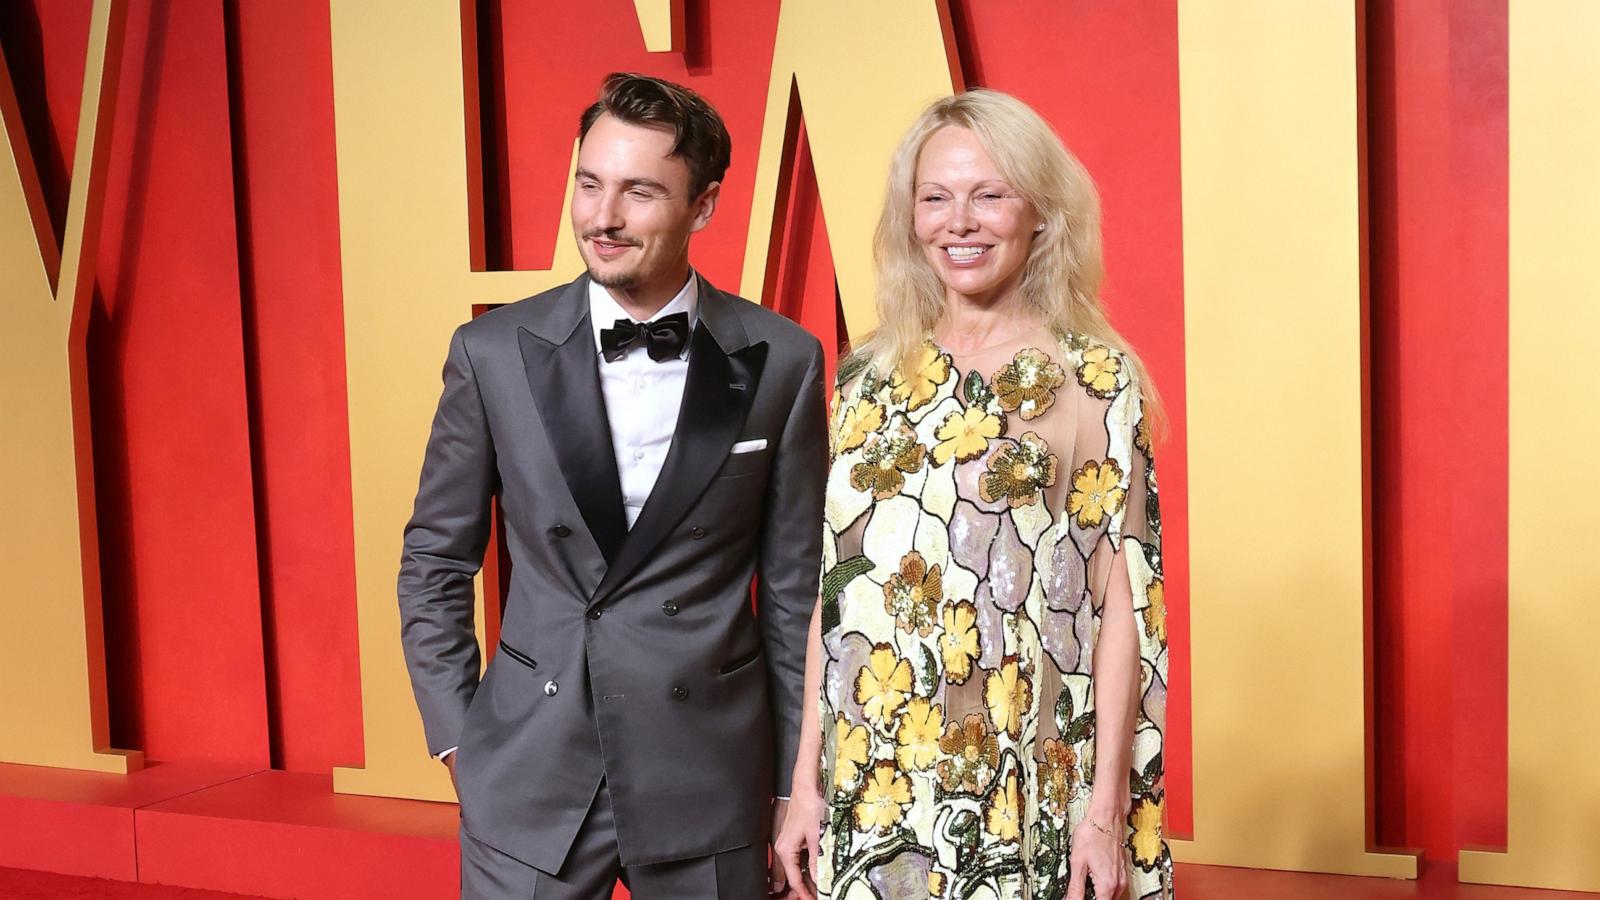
(1116, 695)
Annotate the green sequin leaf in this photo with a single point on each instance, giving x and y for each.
(833, 584)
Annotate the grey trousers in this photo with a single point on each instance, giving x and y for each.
(593, 868)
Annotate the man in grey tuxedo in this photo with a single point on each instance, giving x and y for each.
(655, 444)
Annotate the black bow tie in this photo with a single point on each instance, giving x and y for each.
(663, 338)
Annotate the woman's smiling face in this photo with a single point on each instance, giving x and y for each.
(975, 229)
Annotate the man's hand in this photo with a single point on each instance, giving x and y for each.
(797, 830)
(450, 763)
(776, 883)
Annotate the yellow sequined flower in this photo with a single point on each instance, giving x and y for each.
(971, 756)
(1019, 472)
(1096, 492)
(886, 461)
(1027, 385)
(1098, 371)
(1008, 693)
(883, 798)
(1146, 821)
(929, 369)
(861, 418)
(850, 746)
(965, 435)
(959, 643)
(912, 595)
(1141, 435)
(1003, 819)
(882, 684)
(1155, 615)
(1058, 776)
(936, 883)
(918, 737)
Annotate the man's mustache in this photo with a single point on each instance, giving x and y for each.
(609, 236)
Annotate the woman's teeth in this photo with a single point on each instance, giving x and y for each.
(965, 254)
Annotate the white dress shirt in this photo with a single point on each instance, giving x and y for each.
(642, 396)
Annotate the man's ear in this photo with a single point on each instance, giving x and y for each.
(706, 205)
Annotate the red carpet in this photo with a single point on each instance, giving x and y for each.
(21, 884)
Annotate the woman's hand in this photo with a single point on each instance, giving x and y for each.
(1097, 857)
(795, 846)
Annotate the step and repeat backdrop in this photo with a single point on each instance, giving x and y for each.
(1354, 242)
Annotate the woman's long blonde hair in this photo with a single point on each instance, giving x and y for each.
(1061, 278)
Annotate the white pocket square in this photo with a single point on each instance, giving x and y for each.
(749, 446)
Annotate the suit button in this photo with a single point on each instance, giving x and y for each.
(561, 531)
(679, 692)
(596, 613)
(697, 532)
(670, 607)
(550, 688)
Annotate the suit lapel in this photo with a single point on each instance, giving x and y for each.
(562, 366)
(724, 371)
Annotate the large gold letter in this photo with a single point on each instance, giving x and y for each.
(1553, 807)
(52, 650)
(1273, 309)
(859, 90)
(404, 235)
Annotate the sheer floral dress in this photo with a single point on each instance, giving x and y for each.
(976, 512)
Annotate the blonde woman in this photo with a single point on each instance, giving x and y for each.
(986, 674)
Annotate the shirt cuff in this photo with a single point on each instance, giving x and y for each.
(440, 756)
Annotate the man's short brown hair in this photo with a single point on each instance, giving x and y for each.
(699, 136)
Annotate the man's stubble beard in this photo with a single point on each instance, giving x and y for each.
(625, 281)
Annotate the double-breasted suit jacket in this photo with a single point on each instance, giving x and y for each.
(632, 655)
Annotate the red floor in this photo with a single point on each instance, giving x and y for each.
(21, 884)
(215, 829)
(1194, 883)
(1438, 882)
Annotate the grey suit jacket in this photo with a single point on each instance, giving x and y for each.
(633, 655)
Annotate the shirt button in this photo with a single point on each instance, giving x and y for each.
(697, 532)
(561, 531)
(550, 688)
(596, 613)
(670, 607)
(679, 692)
(638, 454)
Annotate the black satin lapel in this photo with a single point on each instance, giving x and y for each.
(717, 392)
(565, 380)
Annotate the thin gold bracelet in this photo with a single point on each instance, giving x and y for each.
(1097, 827)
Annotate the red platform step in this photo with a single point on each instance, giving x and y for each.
(287, 835)
(268, 833)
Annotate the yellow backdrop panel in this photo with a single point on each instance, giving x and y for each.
(661, 22)
(52, 659)
(1553, 807)
(1273, 319)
